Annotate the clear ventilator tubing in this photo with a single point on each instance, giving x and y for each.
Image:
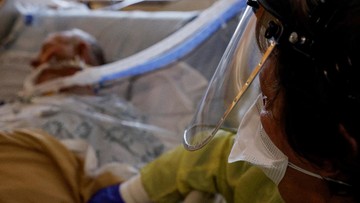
(233, 87)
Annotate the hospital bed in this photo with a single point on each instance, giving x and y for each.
(160, 63)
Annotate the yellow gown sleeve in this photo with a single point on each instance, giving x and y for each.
(176, 173)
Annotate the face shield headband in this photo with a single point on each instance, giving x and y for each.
(234, 85)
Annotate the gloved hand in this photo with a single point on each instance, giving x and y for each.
(108, 194)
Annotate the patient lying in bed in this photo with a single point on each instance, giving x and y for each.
(117, 131)
(97, 133)
(109, 123)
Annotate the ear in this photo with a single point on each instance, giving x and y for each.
(352, 142)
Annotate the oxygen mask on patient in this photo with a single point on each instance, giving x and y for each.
(43, 75)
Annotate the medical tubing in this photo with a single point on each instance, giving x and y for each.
(171, 49)
(181, 50)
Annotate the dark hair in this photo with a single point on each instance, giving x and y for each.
(321, 83)
(98, 53)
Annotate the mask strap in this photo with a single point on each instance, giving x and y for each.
(291, 165)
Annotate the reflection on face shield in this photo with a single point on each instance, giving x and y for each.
(227, 97)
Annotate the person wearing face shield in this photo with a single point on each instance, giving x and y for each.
(297, 111)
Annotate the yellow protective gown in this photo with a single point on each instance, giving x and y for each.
(35, 167)
(172, 176)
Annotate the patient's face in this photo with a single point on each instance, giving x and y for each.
(58, 48)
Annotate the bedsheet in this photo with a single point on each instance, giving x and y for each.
(117, 132)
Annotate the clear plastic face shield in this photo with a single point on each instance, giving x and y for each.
(235, 84)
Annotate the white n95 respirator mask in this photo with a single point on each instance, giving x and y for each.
(253, 145)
